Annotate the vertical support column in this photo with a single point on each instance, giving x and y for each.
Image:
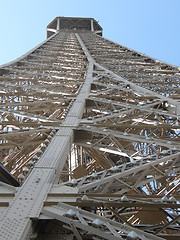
(92, 25)
(58, 24)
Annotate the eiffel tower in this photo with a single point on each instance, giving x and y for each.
(89, 140)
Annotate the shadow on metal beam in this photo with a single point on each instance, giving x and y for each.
(6, 177)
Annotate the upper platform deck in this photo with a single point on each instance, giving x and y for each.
(73, 23)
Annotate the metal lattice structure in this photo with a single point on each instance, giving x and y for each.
(89, 140)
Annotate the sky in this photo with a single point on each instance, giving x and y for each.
(148, 26)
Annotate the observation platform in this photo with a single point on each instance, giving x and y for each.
(73, 23)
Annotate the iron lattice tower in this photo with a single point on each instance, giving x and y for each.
(89, 140)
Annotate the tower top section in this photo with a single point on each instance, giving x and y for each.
(73, 23)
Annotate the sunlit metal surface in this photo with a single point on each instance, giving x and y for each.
(90, 130)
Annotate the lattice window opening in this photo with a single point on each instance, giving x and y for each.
(139, 149)
(21, 160)
(82, 162)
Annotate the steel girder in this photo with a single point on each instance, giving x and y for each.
(90, 129)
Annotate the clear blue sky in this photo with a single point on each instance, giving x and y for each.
(149, 26)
